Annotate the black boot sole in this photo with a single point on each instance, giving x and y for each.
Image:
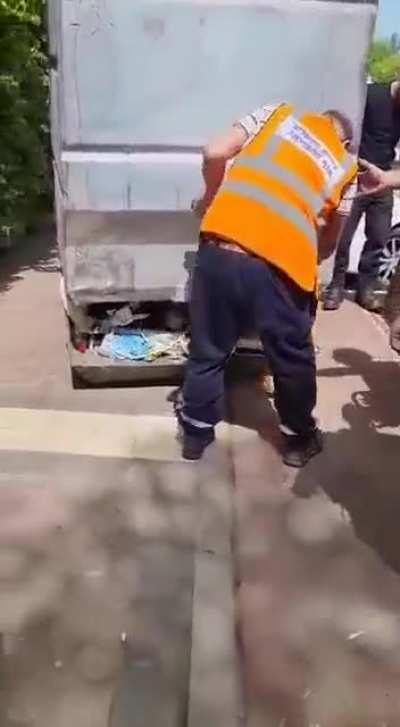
(194, 448)
(327, 305)
(298, 459)
(333, 298)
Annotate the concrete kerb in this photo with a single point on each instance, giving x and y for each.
(214, 693)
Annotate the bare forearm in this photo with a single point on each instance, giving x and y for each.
(216, 156)
(329, 236)
(213, 175)
(393, 179)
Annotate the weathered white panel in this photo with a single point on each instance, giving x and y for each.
(142, 84)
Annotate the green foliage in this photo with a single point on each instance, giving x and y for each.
(23, 113)
(384, 60)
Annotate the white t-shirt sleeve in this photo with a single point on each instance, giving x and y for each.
(347, 200)
(253, 123)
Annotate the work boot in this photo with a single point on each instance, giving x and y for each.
(194, 439)
(333, 297)
(195, 444)
(299, 449)
(369, 299)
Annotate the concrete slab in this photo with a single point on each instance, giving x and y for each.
(112, 557)
(108, 612)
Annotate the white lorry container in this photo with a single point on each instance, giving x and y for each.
(137, 88)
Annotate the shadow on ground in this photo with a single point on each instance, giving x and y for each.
(360, 466)
(35, 252)
(96, 571)
(318, 560)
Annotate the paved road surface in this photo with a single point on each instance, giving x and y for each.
(319, 551)
(104, 532)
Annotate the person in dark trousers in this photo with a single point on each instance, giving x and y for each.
(267, 218)
(380, 136)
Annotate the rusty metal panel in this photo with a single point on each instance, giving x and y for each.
(143, 84)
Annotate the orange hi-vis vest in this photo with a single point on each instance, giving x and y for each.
(293, 172)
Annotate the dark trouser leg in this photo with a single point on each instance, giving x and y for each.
(377, 228)
(343, 249)
(284, 316)
(215, 313)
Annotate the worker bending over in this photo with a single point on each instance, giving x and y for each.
(267, 220)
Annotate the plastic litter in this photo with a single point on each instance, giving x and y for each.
(143, 346)
(167, 344)
(122, 318)
(132, 347)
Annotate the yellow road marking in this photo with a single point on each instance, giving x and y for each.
(90, 434)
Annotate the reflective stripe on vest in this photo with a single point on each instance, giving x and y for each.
(263, 162)
(287, 177)
(290, 213)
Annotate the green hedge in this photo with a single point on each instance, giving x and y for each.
(24, 177)
(384, 60)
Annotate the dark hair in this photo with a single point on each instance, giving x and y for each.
(344, 121)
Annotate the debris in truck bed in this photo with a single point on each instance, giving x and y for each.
(155, 316)
(120, 318)
(111, 324)
(173, 345)
(143, 345)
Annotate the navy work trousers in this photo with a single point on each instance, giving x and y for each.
(232, 292)
(378, 211)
